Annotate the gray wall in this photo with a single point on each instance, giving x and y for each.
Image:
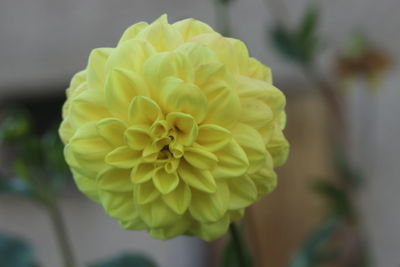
(45, 41)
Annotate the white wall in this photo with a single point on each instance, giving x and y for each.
(94, 236)
(46, 41)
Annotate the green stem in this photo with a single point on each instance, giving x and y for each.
(61, 235)
(238, 244)
(222, 19)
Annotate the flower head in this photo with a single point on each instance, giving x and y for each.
(175, 131)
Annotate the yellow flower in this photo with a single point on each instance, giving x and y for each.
(174, 131)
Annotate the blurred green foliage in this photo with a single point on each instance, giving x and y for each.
(15, 252)
(37, 167)
(229, 255)
(36, 170)
(313, 253)
(126, 260)
(299, 44)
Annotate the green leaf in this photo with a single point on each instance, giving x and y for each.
(338, 198)
(229, 256)
(126, 260)
(54, 159)
(283, 41)
(15, 252)
(309, 24)
(350, 175)
(298, 44)
(312, 253)
(15, 185)
(15, 125)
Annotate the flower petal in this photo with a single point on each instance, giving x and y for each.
(112, 131)
(252, 143)
(159, 129)
(179, 227)
(241, 54)
(137, 138)
(157, 214)
(213, 230)
(135, 223)
(178, 96)
(243, 192)
(165, 182)
(233, 161)
(130, 55)
(222, 100)
(278, 147)
(185, 127)
(221, 46)
(172, 165)
(121, 86)
(257, 91)
(118, 205)
(198, 54)
(163, 65)
(87, 107)
(89, 148)
(265, 179)
(213, 137)
(257, 70)
(199, 179)
(123, 157)
(161, 35)
(200, 158)
(145, 192)
(143, 111)
(179, 199)
(96, 67)
(86, 185)
(206, 207)
(142, 173)
(115, 180)
(191, 27)
(133, 31)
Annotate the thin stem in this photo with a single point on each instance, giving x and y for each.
(238, 245)
(333, 101)
(61, 235)
(222, 19)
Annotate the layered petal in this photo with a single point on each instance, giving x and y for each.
(191, 27)
(206, 207)
(121, 86)
(115, 180)
(123, 157)
(201, 180)
(233, 161)
(174, 131)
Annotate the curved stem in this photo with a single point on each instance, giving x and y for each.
(60, 231)
(238, 245)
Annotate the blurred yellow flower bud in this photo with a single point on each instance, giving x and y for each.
(174, 131)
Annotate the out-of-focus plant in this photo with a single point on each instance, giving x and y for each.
(298, 44)
(362, 59)
(15, 252)
(222, 18)
(37, 169)
(126, 260)
(235, 245)
(301, 45)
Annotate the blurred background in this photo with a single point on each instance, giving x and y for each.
(337, 200)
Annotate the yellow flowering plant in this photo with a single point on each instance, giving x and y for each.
(174, 131)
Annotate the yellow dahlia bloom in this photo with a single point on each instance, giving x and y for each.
(174, 131)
